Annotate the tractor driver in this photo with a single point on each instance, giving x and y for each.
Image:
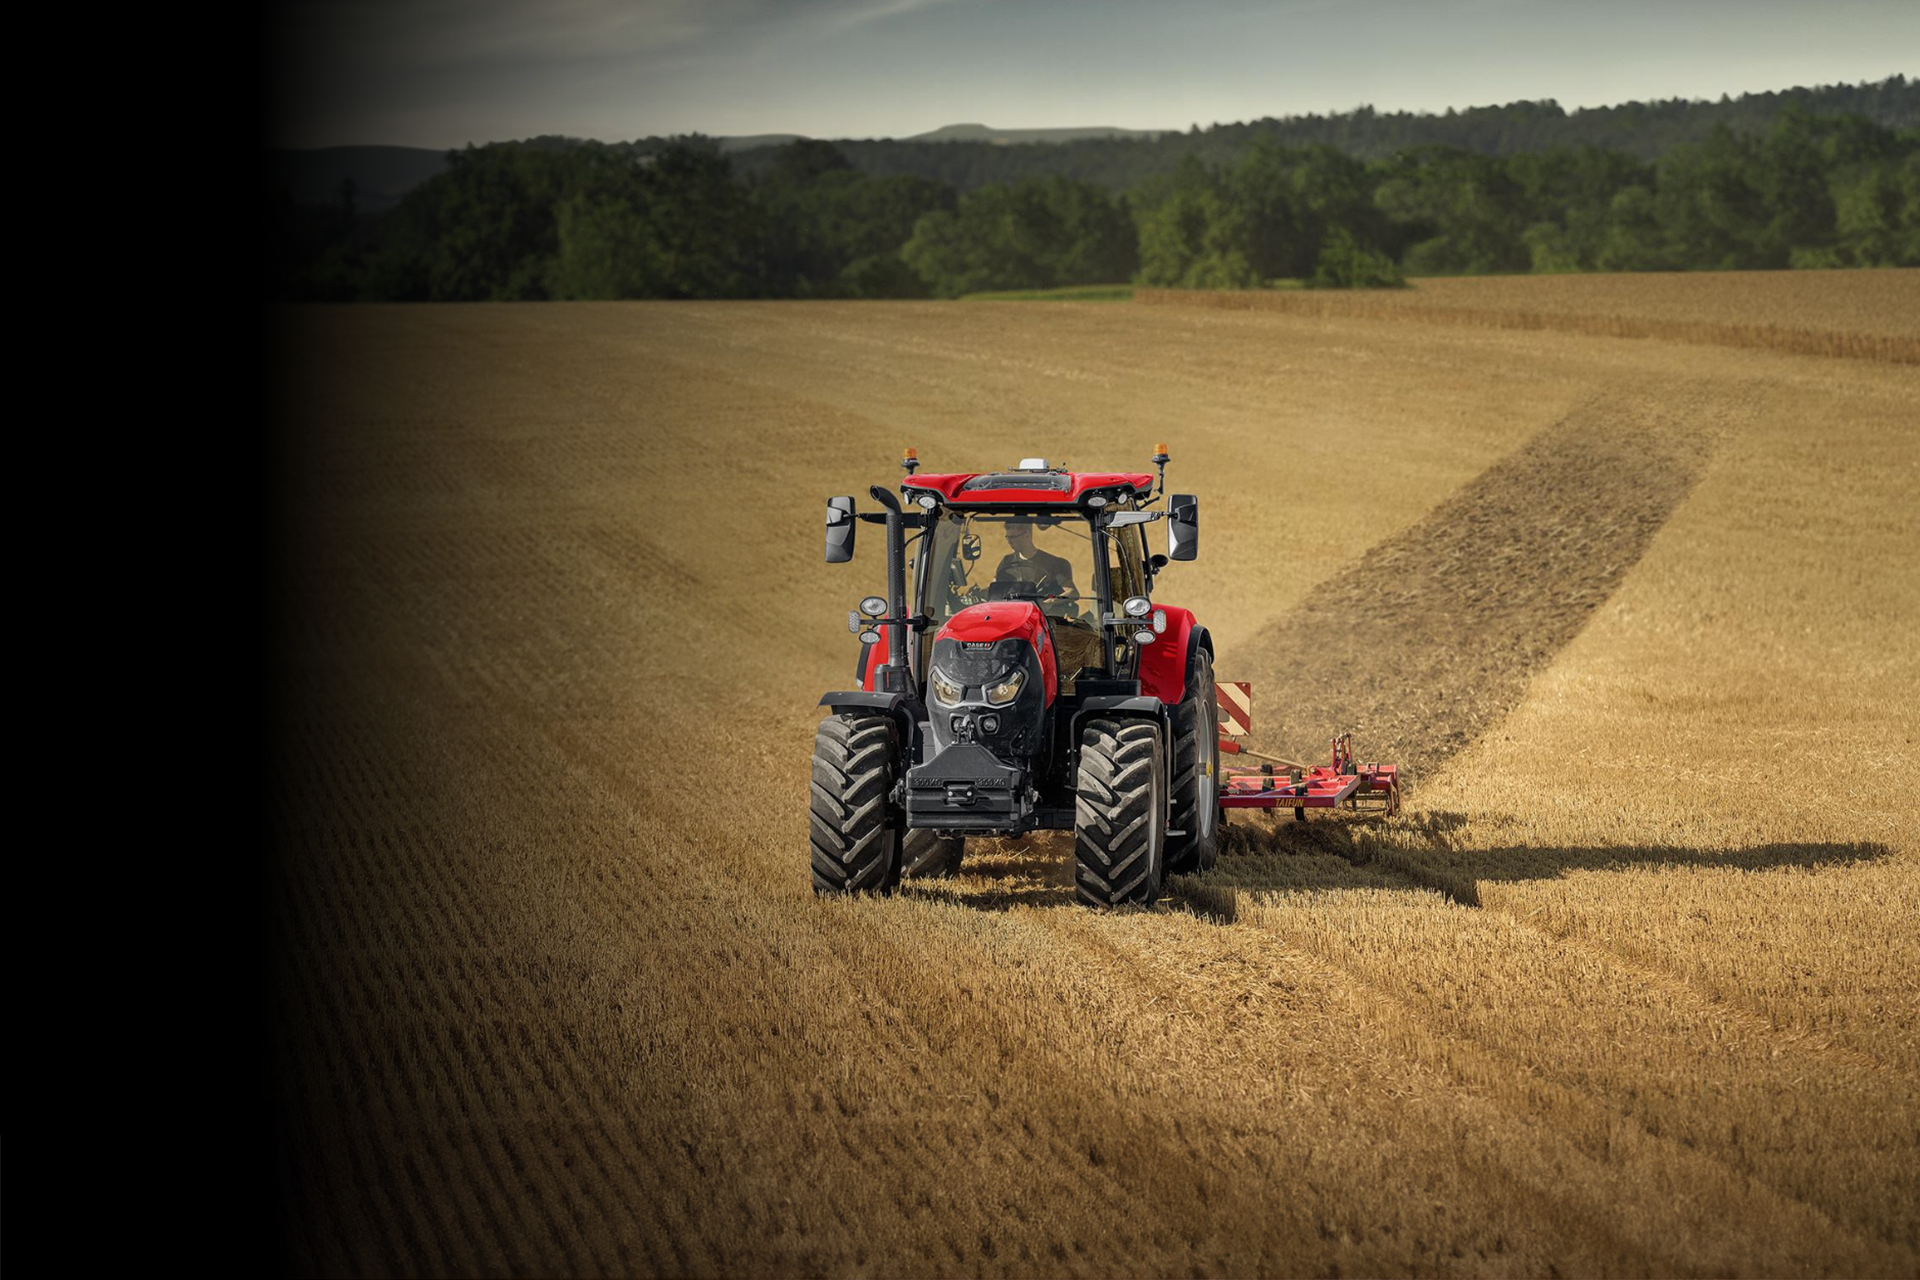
(1029, 571)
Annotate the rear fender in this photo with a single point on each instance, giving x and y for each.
(1164, 663)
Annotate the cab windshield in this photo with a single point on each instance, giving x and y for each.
(1043, 557)
(1046, 558)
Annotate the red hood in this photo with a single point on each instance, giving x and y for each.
(985, 623)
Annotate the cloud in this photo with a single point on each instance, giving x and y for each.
(860, 14)
(360, 33)
(440, 72)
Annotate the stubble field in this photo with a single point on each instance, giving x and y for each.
(1630, 988)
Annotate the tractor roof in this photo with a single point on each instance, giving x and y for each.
(1003, 488)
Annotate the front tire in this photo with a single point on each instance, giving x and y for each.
(1194, 793)
(1120, 813)
(856, 843)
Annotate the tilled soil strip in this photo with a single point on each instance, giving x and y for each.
(1430, 638)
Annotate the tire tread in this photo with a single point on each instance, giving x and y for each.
(855, 846)
(1118, 852)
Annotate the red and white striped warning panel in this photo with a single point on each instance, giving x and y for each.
(1235, 701)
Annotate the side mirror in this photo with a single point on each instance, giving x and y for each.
(1183, 527)
(840, 527)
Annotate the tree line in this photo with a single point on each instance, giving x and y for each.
(1643, 130)
(554, 219)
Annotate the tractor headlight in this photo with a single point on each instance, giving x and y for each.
(944, 689)
(1007, 690)
(873, 606)
(1137, 606)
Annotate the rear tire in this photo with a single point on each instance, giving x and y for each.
(1194, 792)
(856, 844)
(929, 856)
(1120, 813)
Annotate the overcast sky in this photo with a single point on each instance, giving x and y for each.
(443, 73)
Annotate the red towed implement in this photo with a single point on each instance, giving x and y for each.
(1297, 786)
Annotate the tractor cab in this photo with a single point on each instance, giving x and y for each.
(1070, 544)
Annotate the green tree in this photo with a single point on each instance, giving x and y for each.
(1027, 235)
(486, 226)
(1631, 236)
(1281, 239)
(824, 219)
(606, 250)
(1712, 204)
(1792, 181)
(1460, 214)
(1194, 232)
(1345, 263)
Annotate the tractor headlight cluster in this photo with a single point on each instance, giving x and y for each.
(1007, 690)
(944, 688)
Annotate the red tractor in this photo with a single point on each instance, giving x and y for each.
(1034, 684)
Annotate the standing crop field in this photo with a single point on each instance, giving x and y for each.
(1629, 988)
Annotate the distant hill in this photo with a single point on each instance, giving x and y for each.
(969, 156)
(381, 175)
(1644, 130)
(1003, 137)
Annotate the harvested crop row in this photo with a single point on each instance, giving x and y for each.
(1765, 311)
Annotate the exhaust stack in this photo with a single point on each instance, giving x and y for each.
(896, 676)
